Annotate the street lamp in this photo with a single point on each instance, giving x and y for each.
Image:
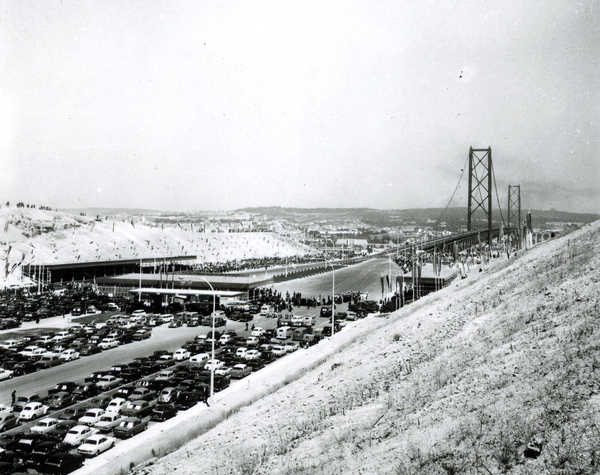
(332, 297)
(212, 366)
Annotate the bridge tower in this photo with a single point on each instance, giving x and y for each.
(480, 186)
(514, 208)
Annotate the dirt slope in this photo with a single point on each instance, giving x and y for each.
(460, 382)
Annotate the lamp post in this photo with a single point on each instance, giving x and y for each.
(332, 297)
(212, 366)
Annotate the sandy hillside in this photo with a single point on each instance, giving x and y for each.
(460, 382)
(54, 237)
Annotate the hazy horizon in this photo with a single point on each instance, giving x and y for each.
(202, 105)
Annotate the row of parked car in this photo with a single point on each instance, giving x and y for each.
(27, 354)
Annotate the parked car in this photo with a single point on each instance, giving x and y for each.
(69, 355)
(60, 400)
(7, 421)
(96, 444)
(138, 408)
(278, 350)
(252, 355)
(6, 374)
(162, 412)
(44, 425)
(78, 434)
(108, 382)
(129, 427)
(142, 334)
(91, 416)
(240, 370)
(142, 393)
(212, 365)
(167, 394)
(116, 405)
(108, 343)
(32, 411)
(199, 359)
(108, 421)
(181, 354)
(84, 391)
(61, 463)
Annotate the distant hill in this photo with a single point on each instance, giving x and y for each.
(390, 217)
(119, 211)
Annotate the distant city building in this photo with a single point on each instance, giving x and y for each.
(349, 242)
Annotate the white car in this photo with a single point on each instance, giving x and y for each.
(181, 355)
(95, 445)
(223, 371)
(6, 374)
(31, 351)
(62, 335)
(258, 331)
(291, 346)
(278, 350)
(78, 434)
(138, 313)
(213, 365)
(252, 341)
(5, 408)
(91, 416)
(115, 405)
(108, 381)
(200, 358)
(45, 425)
(241, 351)
(9, 344)
(108, 343)
(166, 318)
(69, 355)
(32, 410)
(252, 355)
(108, 421)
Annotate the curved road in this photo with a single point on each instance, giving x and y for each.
(364, 277)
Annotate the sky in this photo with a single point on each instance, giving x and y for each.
(218, 105)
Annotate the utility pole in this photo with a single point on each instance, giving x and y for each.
(480, 187)
(514, 207)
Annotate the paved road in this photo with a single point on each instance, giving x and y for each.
(364, 277)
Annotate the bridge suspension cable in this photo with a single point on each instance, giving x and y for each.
(462, 172)
(497, 196)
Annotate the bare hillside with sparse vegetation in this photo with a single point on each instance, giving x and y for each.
(463, 381)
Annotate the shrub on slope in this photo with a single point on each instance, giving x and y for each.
(460, 382)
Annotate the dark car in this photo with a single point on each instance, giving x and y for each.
(60, 400)
(42, 450)
(85, 391)
(8, 420)
(62, 463)
(187, 399)
(142, 393)
(89, 350)
(23, 367)
(162, 412)
(129, 427)
(74, 413)
(139, 408)
(67, 387)
(60, 430)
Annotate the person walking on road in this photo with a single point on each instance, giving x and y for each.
(13, 397)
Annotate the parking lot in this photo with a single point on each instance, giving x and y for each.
(243, 347)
